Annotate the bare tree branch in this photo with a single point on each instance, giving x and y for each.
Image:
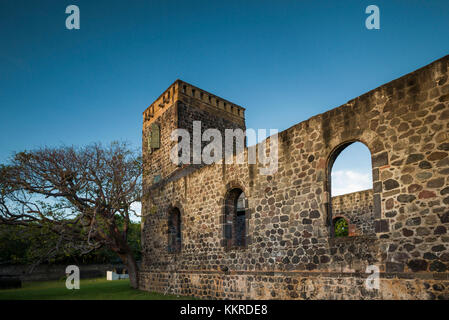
(77, 193)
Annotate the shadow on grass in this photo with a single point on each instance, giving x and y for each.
(90, 289)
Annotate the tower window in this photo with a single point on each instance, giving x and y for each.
(154, 137)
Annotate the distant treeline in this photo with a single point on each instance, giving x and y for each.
(28, 245)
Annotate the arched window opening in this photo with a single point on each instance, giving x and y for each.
(351, 190)
(341, 228)
(174, 231)
(235, 219)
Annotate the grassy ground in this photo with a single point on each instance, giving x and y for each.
(90, 289)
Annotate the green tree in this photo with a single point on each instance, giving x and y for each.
(341, 227)
(82, 195)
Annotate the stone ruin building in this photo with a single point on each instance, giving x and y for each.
(224, 231)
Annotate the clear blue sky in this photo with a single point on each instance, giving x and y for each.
(285, 61)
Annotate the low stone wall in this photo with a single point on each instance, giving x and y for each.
(56, 272)
(358, 209)
(297, 285)
(7, 282)
(338, 272)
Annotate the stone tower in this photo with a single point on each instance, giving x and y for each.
(177, 108)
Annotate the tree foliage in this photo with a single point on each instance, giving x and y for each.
(29, 245)
(341, 228)
(82, 196)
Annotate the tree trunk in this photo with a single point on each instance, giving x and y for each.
(133, 271)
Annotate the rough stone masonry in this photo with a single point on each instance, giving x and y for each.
(224, 231)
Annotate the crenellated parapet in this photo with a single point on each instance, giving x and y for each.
(188, 94)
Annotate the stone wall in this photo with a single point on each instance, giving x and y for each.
(358, 209)
(56, 272)
(290, 251)
(294, 285)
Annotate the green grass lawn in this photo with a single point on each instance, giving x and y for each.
(90, 289)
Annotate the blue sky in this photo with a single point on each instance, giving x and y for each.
(351, 170)
(284, 61)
